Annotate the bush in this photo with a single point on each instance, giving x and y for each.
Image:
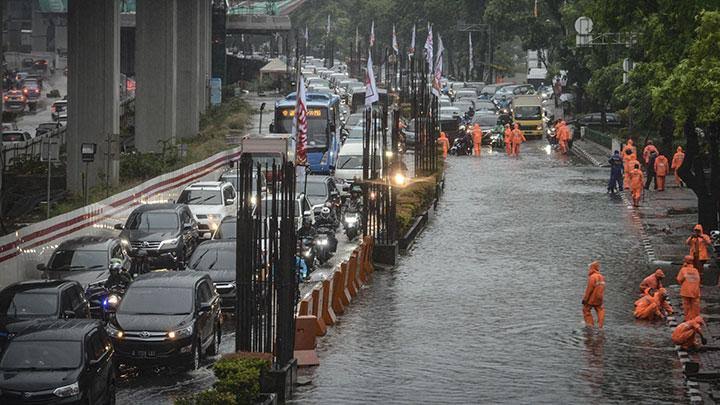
(208, 397)
(413, 200)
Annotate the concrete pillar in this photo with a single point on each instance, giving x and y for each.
(39, 25)
(204, 10)
(156, 73)
(93, 90)
(188, 69)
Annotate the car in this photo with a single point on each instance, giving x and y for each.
(58, 110)
(302, 209)
(15, 137)
(350, 163)
(167, 318)
(84, 259)
(42, 299)
(40, 65)
(227, 228)
(450, 112)
(546, 92)
(231, 176)
(32, 92)
(486, 122)
(58, 362)
(355, 135)
(595, 119)
(46, 128)
(15, 101)
(217, 258)
(464, 104)
(168, 233)
(209, 202)
(9, 126)
(318, 189)
(466, 93)
(27, 62)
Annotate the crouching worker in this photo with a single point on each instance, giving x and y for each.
(653, 306)
(687, 332)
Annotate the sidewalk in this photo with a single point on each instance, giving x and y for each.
(665, 220)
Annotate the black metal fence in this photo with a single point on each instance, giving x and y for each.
(426, 118)
(266, 270)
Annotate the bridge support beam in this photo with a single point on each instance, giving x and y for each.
(93, 90)
(156, 74)
(205, 22)
(189, 23)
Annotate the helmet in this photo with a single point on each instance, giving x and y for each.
(115, 265)
(325, 211)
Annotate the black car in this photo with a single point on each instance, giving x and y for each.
(47, 128)
(318, 190)
(595, 119)
(58, 362)
(227, 228)
(167, 318)
(84, 259)
(217, 258)
(167, 232)
(38, 299)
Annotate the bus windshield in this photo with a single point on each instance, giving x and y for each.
(317, 125)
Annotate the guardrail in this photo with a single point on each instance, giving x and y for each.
(598, 137)
(21, 251)
(30, 148)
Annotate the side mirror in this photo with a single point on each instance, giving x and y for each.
(333, 127)
(206, 235)
(119, 227)
(68, 314)
(204, 307)
(187, 227)
(307, 213)
(41, 267)
(272, 128)
(93, 363)
(229, 201)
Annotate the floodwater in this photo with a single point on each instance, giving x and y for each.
(486, 308)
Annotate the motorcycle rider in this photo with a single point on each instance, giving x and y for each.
(354, 203)
(327, 221)
(118, 275)
(307, 231)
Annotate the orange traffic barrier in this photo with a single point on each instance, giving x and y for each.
(326, 310)
(317, 298)
(362, 255)
(304, 308)
(351, 283)
(341, 298)
(305, 341)
(355, 256)
(368, 243)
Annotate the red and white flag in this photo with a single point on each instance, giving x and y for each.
(429, 48)
(372, 34)
(300, 129)
(412, 43)
(437, 77)
(371, 91)
(395, 46)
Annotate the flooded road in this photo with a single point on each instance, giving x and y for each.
(486, 308)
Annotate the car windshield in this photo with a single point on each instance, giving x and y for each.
(315, 191)
(60, 106)
(13, 138)
(485, 120)
(157, 300)
(485, 106)
(153, 220)
(212, 258)
(200, 197)
(527, 112)
(42, 355)
(226, 230)
(356, 133)
(350, 162)
(27, 304)
(79, 260)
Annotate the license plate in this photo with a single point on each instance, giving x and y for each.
(144, 353)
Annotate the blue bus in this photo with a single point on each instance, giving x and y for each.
(324, 140)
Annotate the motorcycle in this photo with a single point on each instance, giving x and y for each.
(104, 301)
(351, 222)
(307, 251)
(496, 141)
(715, 237)
(325, 243)
(462, 146)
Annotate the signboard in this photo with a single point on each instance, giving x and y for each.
(50, 150)
(215, 91)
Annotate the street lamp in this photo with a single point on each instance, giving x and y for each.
(262, 107)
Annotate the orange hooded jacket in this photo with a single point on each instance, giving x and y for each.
(689, 280)
(678, 158)
(699, 244)
(684, 334)
(653, 281)
(595, 290)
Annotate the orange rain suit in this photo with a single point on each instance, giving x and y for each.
(689, 280)
(477, 139)
(629, 163)
(445, 143)
(651, 307)
(563, 137)
(518, 138)
(653, 281)
(593, 298)
(677, 161)
(637, 179)
(699, 247)
(649, 149)
(662, 168)
(685, 333)
(507, 138)
(628, 146)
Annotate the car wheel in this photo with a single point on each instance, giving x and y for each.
(112, 390)
(181, 259)
(213, 348)
(195, 361)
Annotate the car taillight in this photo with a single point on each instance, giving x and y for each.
(7, 98)
(25, 91)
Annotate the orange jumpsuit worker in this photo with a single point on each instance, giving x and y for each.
(563, 136)
(677, 161)
(699, 243)
(653, 281)
(593, 298)
(445, 143)
(685, 333)
(518, 138)
(662, 168)
(507, 138)
(689, 280)
(651, 307)
(629, 162)
(648, 150)
(636, 184)
(477, 139)
(628, 146)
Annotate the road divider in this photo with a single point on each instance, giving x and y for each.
(320, 308)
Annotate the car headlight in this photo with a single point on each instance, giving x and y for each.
(170, 243)
(253, 200)
(322, 242)
(351, 220)
(125, 242)
(214, 217)
(113, 331)
(113, 300)
(67, 391)
(307, 253)
(539, 127)
(180, 333)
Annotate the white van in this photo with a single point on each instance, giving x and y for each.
(350, 163)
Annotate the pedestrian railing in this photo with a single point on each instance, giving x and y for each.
(598, 137)
(32, 148)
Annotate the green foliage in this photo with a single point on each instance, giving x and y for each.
(208, 397)
(238, 382)
(603, 83)
(413, 200)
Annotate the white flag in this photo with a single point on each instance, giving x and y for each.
(357, 38)
(394, 41)
(436, 87)
(372, 34)
(429, 48)
(328, 25)
(307, 36)
(371, 91)
(412, 43)
(470, 53)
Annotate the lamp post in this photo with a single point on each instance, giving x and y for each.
(262, 107)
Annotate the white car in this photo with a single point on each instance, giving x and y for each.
(209, 202)
(350, 163)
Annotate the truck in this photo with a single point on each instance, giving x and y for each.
(527, 111)
(265, 149)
